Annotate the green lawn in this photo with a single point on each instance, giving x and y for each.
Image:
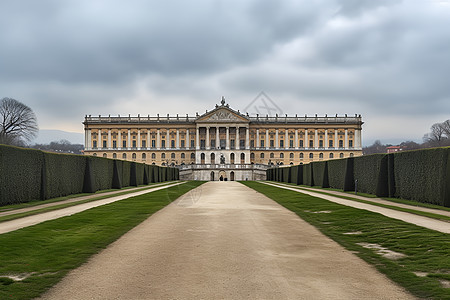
(49, 250)
(427, 251)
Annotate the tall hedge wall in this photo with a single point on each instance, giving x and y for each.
(422, 175)
(28, 174)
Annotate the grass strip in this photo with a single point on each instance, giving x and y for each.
(403, 209)
(48, 251)
(426, 251)
(64, 205)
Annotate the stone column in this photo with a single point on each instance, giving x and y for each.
(316, 139)
(257, 145)
(228, 138)
(267, 139)
(197, 139)
(336, 145)
(217, 139)
(286, 138)
(148, 138)
(208, 146)
(346, 139)
(306, 139)
(177, 142)
(296, 139)
(109, 144)
(276, 139)
(158, 139)
(326, 139)
(188, 139)
(247, 138)
(88, 140)
(129, 139)
(139, 139)
(358, 139)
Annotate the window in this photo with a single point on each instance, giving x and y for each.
(321, 155)
(192, 143)
(271, 143)
(124, 156)
(252, 143)
(242, 144)
(272, 155)
(301, 155)
(114, 144)
(95, 144)
(350, 143)
(95, 154)
(311, 155)
(182, 143)
(183, 156)
(134, 144)
(301, 143)
(252, 155)
(351, 154)
(114, 155)
(261, 155)
(133, 156)
(232, 145)
(331, 155)
(262, 143)
(223, 144)
(341, 155)
(163, 144)
(124, 144)
(172, 144)
(311, 144)
(172, 155)
(153, 155)
(330, 143)
(202, 144)
(341, 144)
(320, 144)
(192, 156)
(281, 144)
(153, 144)
(144, 144)
(163, 155)
(291, 156)
(144, 157)
(213, 144)
(104, 155)
(281, 155)
(291, 143)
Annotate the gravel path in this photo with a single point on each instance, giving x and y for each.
(12, 225)
(225, 241)
(429, 223)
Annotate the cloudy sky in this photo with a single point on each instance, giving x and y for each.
(386, 60)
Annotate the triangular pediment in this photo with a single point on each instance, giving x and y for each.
(222, 114)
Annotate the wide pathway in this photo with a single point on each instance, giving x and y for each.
(434, 224)
(16, 224)
(224, 240)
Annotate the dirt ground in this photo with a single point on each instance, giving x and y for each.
(225, 241)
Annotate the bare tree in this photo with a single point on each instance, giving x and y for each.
(436, 136)
(18, 123)
(446, 128)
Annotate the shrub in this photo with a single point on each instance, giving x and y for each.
(366, 171)
(319, 172)
(336, 173)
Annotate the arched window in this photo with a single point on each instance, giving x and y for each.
(213, 158)
(252, 155)
(172, 155)
(153, 163)
(321, 155)
(144, 156)
(291, 163)
(291, 156)
(301, 155)
(281, 155)
(341, 155)
(124, 156)
(153, 155)
(183, 156)
(202, 158)
(272, 155)
(232, 158)
(331, 155)
(114, 155)
(95, 154)
(192, 156)
(133, 156)
(163, 164)
(311, 155)
(351, 154)
(261, 155)
(163, 155)
(105, 155)
(242, 158)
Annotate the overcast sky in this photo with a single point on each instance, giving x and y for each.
(386, 60)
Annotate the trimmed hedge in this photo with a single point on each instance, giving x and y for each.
(28, 174)
(422, 175)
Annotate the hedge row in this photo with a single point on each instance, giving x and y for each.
(28, 174)
(422, 175)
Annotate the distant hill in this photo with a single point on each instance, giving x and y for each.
(46, 136)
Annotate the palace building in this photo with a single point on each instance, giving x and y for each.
(223, 144)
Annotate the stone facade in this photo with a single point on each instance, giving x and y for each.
(223, 142)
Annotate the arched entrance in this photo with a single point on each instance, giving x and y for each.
(222, 175)
(212, 175)
(232, 175)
